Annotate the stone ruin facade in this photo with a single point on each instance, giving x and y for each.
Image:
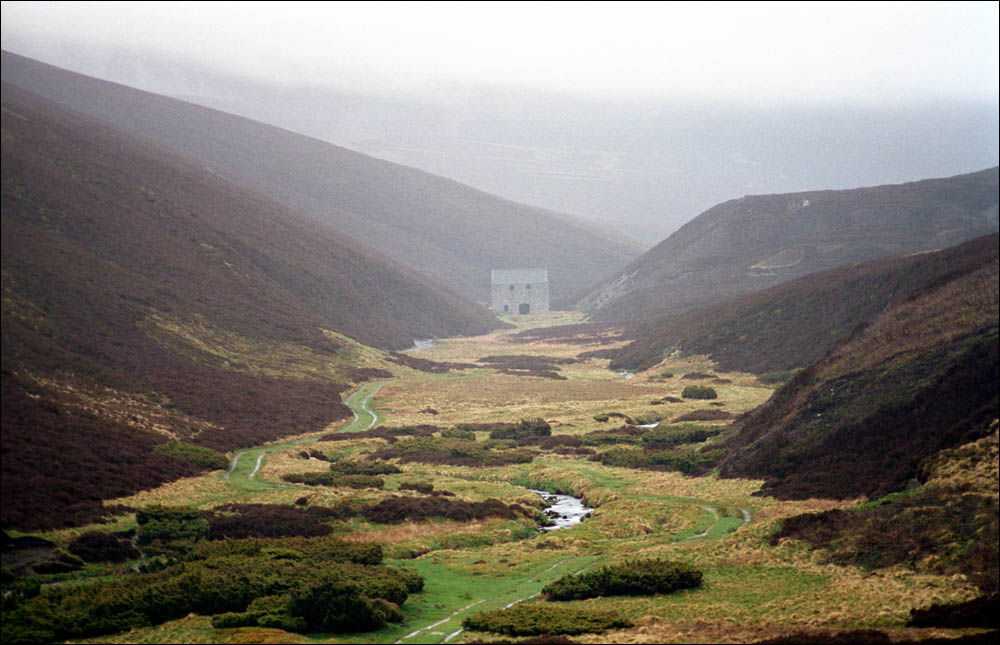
(519, 291)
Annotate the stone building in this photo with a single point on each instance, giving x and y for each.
(519, 291)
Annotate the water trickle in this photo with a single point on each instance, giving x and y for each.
(563, 510)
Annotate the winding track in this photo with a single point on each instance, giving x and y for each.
(365, 418)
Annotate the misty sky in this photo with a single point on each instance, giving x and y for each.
(842, 52)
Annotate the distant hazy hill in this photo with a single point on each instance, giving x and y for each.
(795, 323)
(756, 242)
(436, 226)
(143, 295)
(919, 378)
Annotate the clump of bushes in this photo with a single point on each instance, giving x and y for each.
(458, 433)
(453, 452)
(526, 428)
(699, 392)
(625, 434)
(697, 375)
(171, 523)
(688, 463)
(601, 418)
(298, 584)
(241, 521)
(335, 479)
(665, 375)
(98, 546)
(538, 618)
(704, 415)
(667, 437)
(364, 468)
(395, 510)
(198, 456)
(633, 578)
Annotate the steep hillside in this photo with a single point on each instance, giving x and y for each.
(795, 323)
(920, 378)
(146, 298)
(435, 226)
(756, 242)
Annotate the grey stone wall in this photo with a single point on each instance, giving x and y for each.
(513, 298)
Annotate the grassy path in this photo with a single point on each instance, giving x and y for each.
(460, 595)
(245, 464)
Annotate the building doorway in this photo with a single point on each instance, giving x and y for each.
(524, 308)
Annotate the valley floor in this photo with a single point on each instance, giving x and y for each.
(752, 590)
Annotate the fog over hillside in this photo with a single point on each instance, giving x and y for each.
(637, 163)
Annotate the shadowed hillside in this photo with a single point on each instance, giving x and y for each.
(795, 323)
(755, 242)
(448, 231)
(146, 298)
(920, 378)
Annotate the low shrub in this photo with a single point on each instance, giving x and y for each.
(688, 463)
(704, 415)
(622, 435)
(532, 619)
(242, 521)
(363, 468)
(97, 546)
(395, 510)
(335, 479)
(601, 418)
(667, 437)
(198, 456)
(453, 452)
(697, 375)
(170, 523)
(526, 428)
(699, 392)
(458, 433)
(632, 578)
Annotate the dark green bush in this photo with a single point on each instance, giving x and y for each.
(601, 418)
(96, 546)
(633, 578)
(699, 392)
(364, 468)
(537, 618)
(170, 523)
(526, 428)
(199, 456)
(335, 479)
(684, 462)
(667, 437)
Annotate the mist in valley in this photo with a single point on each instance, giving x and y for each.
(634, 118)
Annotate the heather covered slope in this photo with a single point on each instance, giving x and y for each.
(146, 298)
(756, 242)
(920, 378)
(435, 226)
(795, 323)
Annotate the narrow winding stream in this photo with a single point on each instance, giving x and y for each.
(564, 510)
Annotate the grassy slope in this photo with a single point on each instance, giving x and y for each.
(438, 227)
(794, 324)
(145, 294)
(756, 242)
(920, 378)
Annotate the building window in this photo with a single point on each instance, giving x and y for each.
(511, 287)
(527, 286)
